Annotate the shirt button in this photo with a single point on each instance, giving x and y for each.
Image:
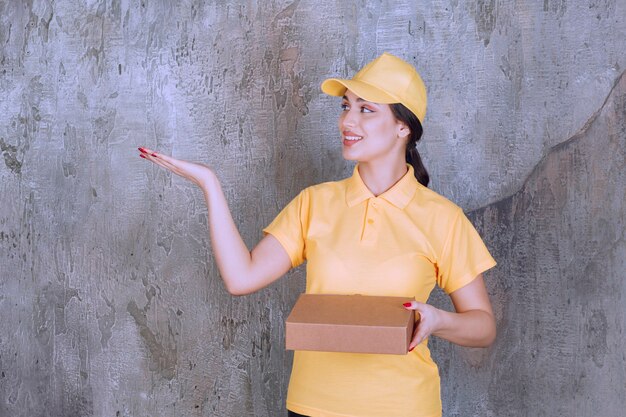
(370, 221)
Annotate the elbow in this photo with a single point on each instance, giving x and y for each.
(484, 335)
(233, 284)
(237, 291)
(483, 341)
(489, 339)
(490, 335)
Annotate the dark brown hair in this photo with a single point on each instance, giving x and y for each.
(406, 116)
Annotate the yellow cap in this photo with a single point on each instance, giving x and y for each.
(387, 79)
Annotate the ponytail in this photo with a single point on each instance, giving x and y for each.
(413, 157)
(407, 117)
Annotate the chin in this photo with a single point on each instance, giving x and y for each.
(349, 156)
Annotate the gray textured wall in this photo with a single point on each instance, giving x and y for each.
(110, 300)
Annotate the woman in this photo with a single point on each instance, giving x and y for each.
(379, 232)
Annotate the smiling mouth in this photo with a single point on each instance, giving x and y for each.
(353, 138)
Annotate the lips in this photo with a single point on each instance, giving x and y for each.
(350, 138)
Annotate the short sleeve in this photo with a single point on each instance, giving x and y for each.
(290, 226)
(463, 257)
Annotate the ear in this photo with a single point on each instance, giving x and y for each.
(403, 131)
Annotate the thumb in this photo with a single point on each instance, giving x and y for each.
(413, 305)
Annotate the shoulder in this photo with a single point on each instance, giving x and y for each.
(434, 202)
(433, 212)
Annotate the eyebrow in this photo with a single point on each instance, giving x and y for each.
(358, 99)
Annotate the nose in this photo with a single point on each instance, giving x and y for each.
(348, 119)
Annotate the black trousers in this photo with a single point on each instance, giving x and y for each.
(292, 414)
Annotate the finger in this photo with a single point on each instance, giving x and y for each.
(179, 167)
(157, 158)
(413, 305)
(162, 162)
(172, 168)
(417, 339)
(159, 161)
(158, 155)
(189, 170)
(145, 151)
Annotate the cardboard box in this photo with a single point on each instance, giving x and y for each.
(350, 323)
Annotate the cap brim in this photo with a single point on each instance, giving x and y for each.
(337, 87)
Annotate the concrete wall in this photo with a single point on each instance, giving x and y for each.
(109, 296)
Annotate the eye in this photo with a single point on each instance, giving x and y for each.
(345, 107)
(365, 109)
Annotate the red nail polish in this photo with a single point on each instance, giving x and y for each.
(142, 150)
(407, 304)
(141, 155)
(411, 350)
(154, 154)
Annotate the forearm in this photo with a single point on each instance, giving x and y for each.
(473, 328)
(232, 256)
(242, 270)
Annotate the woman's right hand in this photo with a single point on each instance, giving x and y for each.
(243, 271)
(197, 173)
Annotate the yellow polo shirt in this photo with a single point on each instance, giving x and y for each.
(400, 243)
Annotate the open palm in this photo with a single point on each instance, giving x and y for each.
(194, 172)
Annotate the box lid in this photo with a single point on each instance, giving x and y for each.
(354, 310)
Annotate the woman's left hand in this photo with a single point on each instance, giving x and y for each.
(472, 324)
(428, 321)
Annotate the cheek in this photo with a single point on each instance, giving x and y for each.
(377, 127)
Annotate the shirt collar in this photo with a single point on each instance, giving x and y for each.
(399, 194)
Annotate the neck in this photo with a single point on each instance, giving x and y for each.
(378, 178)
